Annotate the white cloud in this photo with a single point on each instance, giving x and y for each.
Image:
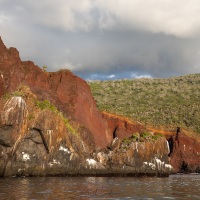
(179, 18)
(134, 75)
(111, 76)
(105, 37)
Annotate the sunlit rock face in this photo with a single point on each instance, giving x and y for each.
(66, 91)
(13, 121)
(37, 142)
(139, 158)
(120, 127)
(40, 144)
(185, 154)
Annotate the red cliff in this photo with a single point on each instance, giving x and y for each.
(185, 153)
(120, 127)
(67, 92)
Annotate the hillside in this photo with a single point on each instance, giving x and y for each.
(168, 102)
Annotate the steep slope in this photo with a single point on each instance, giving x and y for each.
(185, 153)
(66, 91)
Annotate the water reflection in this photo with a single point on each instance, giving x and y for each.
(88, 188)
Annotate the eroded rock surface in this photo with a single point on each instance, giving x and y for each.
(185, 153)
(67, 92)
(36, 142)
(120, 127)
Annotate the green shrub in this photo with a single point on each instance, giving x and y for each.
(168, 102)
(47, 105)
(30, 116)
(17, 93)
(146, 135)
(157, 136)
(127, 141)
(134, 137)
(70, 128)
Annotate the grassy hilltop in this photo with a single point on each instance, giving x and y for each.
(168, 102)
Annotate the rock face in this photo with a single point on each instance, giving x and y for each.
(13, 120)
(43, 145)
(66, 91)
(185, 153)
(120, 127)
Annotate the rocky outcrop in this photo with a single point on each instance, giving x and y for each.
(66, 91)
(13, 120)
(120, 127)
(184, 153)
(38, 142)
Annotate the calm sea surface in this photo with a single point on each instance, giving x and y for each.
(86, 188)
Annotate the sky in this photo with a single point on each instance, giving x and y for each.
(106, 39)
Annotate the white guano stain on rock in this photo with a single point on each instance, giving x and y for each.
(100, 157)
(91, 162)
(64, 149)
(25, 156)
(162, 165)
(136, 146)
(71, 157)
(115, 140)
(83, 145)
(14, 111)
(54, 162)
(168, 166)
(158, 165)
(168, 149)
(151, 165)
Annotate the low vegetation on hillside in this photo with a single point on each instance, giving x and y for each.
(168, 102)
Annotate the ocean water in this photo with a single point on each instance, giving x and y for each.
(88, 188)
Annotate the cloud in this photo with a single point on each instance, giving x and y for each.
(111, 76)
(134, 75)
(101, 38)
(179, 18)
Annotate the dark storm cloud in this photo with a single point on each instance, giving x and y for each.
(100, 39)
